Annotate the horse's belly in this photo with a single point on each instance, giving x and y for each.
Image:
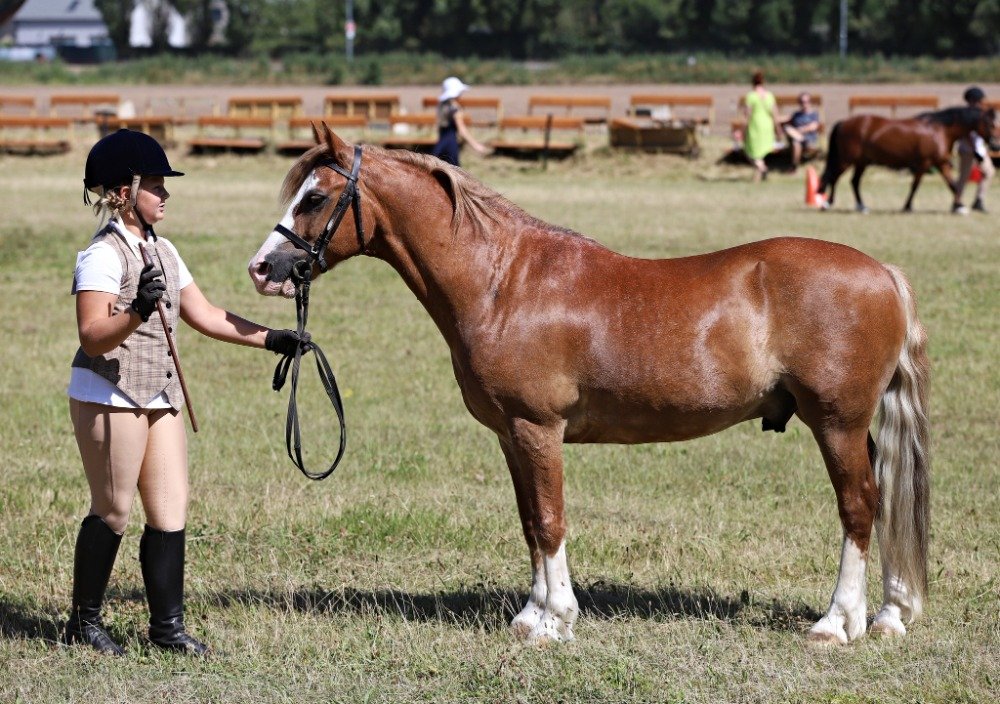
(606, 420)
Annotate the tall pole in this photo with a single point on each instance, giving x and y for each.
(843, 28)
(350, 30)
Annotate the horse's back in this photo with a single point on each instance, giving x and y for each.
(901, 143)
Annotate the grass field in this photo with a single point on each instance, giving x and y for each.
(698, 566)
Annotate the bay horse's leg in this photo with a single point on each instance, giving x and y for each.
(530, 616)
(537, 450)
(859, 171)
(845, 451)
(908, 207)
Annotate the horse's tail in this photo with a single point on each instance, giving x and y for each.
(832, 169)
(902, 458)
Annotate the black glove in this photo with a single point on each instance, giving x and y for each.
(285, 341)
(151, 289)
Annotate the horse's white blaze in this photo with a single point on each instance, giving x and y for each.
(273, 241)
(845, 620)
(561, 608)
(530, 616)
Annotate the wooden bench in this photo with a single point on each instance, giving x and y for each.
(698, 108)
(597, 108)
(892, 103)
(18, 105)
(654, 137)
(83, 106)
(276, 107)
(159, 127)
(422, 139)
(377, 107)
(221, 133)
(483, 110)
(33, 135)
(296, 145)
(543, 145)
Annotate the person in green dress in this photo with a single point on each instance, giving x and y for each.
(760, 111)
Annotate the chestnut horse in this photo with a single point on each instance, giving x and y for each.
(917, 143)
(555, 338)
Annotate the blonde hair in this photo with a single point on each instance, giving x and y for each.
(110, 203)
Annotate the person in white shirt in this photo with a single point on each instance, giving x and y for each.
(125, 400)
(972, 151)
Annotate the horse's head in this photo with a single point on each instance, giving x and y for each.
(989, 128)
(323, 224)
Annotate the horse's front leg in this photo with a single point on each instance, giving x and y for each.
(537, 451)
(531, 615)
(917, 175)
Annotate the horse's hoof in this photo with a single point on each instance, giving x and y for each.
(548, 632)
(521, 629)
(862, 209)
(887, 625)
(826, 639)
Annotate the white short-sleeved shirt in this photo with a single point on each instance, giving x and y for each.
(98, 268)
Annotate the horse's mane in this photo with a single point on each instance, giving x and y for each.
(474, 201)
(949, 116)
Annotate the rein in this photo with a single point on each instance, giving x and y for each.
(302, 278)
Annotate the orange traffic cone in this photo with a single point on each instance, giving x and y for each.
(814, 199)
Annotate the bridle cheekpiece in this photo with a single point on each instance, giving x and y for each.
(349, 197)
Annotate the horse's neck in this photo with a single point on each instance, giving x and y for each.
(449, 273)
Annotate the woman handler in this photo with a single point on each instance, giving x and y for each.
(125, 398)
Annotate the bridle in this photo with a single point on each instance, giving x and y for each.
(349, 197)
(301, 276)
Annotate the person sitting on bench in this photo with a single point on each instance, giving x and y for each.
(802, 129)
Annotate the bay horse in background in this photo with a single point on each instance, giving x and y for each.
(555, 338)
(916, 143)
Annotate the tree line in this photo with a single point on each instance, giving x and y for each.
(546, 29)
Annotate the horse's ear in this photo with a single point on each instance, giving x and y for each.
(317, 137)
(338, 147)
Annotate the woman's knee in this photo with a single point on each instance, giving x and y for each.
(115, 516)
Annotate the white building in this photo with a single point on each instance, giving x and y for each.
(45, 23)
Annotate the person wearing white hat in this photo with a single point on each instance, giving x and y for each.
(451, 123)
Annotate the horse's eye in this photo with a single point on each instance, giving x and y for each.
(312, 201)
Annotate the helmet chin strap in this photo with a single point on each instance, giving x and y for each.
(147, 229)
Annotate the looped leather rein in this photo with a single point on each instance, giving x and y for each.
(301, 277)
(293, 435)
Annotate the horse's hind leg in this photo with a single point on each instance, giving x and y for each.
(845, 451)
(531, 615)
(908, 206)
(859, 171)
(537, 451)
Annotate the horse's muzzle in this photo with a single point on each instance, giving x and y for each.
(275, 273)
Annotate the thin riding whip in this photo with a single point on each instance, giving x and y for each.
(146, 259)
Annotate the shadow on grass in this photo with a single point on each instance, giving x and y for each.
(18, 621)
(493, 608)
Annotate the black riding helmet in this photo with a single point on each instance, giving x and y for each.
(116, 159)
(974, 95)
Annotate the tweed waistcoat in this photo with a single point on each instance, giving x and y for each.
(141, 365)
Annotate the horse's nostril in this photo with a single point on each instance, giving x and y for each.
(263, 268)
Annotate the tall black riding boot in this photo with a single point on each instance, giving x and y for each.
(161, 554)
(96, 549)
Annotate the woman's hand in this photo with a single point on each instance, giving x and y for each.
(285, 342)
(151, 289)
